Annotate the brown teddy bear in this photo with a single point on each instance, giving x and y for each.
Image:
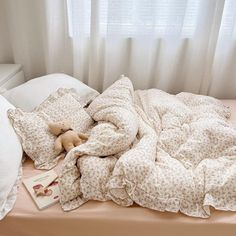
(67, 138)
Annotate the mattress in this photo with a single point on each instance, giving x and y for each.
(107, 218)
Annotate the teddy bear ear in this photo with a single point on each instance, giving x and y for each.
(51, 124)
(83, 136)
(65, 122)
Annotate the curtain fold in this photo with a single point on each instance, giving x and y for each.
(38, 36)
(175, 45)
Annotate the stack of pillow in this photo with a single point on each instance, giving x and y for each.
(30, 107)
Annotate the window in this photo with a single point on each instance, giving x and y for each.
(130, 18)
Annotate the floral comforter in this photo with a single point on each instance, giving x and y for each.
(161, 151)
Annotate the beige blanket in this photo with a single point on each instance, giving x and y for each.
(164, 152)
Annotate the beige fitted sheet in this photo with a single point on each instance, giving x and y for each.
(109, 219)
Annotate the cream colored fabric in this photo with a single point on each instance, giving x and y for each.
(32, 127)
(165, 152)
(113, 133)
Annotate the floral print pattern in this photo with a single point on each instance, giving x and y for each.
(32, 127)
(164, 152)
(161, 151)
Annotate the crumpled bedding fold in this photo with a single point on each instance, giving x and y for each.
(161, 151)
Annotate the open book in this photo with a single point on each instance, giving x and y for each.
(47, 179)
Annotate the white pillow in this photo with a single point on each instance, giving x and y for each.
(32, 93)
(10, 160)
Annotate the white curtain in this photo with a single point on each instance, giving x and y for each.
(174, 45)
(37, 33)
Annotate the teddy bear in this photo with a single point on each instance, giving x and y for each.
(67, 138)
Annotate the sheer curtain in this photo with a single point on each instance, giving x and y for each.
(35, 35)
(174, 45)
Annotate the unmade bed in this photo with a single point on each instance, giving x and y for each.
(107, 218)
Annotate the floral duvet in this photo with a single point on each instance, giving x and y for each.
(161, 151)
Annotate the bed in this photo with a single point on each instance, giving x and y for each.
(107, 218)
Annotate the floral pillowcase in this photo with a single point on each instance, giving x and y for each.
(32, 127)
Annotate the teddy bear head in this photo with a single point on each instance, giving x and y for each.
(58, 128)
